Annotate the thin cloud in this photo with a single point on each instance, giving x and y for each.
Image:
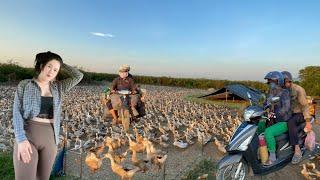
(110, 35)
(102, 34)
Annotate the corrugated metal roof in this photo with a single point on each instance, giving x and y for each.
(241, 91)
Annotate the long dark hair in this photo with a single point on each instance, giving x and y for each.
(43, 58)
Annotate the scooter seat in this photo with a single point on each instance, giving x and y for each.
(282, 137)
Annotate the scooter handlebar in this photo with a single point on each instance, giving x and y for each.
(124, 92)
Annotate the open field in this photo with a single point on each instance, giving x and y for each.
(201, 126)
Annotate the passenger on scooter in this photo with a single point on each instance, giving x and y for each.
(300, 109)
(124, 82)
(282, 112)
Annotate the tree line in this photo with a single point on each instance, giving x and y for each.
(309, 79)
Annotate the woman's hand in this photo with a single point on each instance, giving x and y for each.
(24, 151)
(308, 127)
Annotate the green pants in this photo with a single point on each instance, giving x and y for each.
(271, 132)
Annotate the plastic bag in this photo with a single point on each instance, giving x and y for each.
(310, 141)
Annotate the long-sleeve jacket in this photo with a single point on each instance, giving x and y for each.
(282, 109)
(299, 103)
(27, 101)
(123, 84)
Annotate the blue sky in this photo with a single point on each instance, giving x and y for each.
(237, 40)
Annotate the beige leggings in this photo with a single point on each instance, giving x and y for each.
(44, 150)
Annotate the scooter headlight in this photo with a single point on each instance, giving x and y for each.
(247, 114)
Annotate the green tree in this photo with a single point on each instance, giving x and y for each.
(310, 80)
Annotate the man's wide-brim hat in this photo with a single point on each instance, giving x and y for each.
(124, 68)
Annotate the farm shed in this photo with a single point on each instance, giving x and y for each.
(234, 92)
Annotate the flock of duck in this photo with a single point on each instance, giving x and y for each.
(170, 120)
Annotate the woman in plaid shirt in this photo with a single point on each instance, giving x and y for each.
(36, 116)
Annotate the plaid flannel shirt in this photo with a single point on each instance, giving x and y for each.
(27, 101)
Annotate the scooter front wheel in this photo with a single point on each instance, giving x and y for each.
(125, 118)
(235, 171)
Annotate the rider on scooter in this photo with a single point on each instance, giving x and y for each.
(124, 82)
(300, 109)
(281, 112)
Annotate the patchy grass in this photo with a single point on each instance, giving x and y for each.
(233, 105)
(7, 169)
(205, 166)
(6, 166)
